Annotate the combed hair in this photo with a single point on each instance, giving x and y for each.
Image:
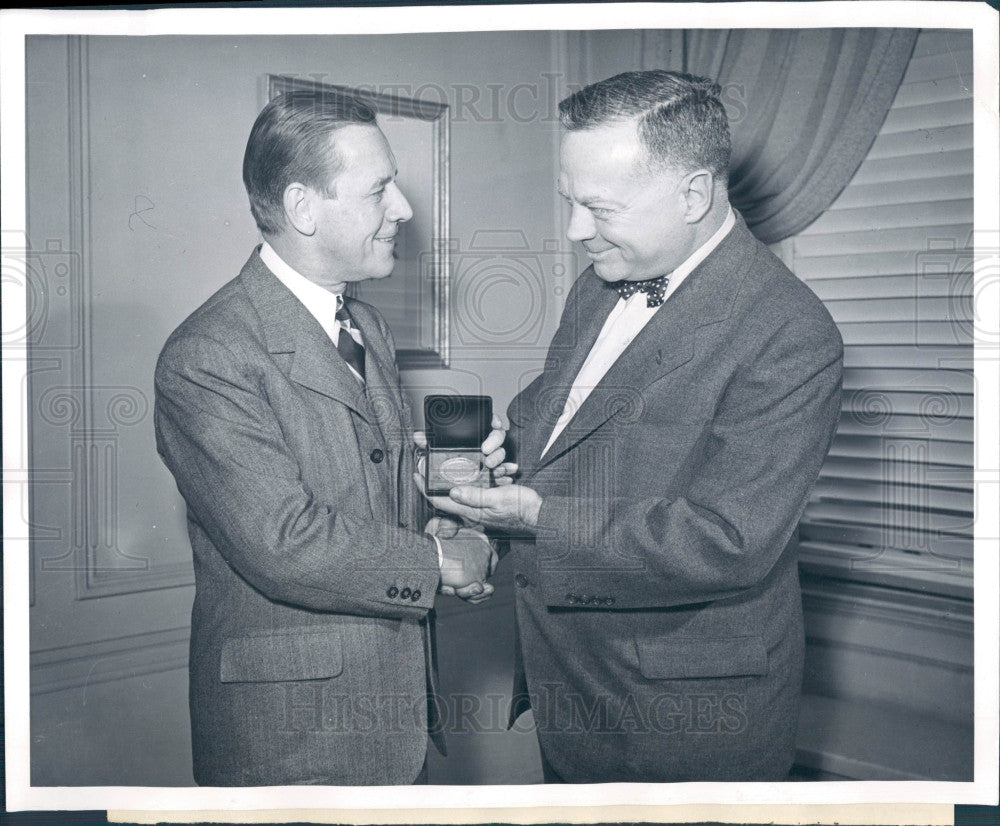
(681, 120)
(290, 142)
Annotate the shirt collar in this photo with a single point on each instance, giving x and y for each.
(322, 303)
(691, 262)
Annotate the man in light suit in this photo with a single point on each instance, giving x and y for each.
(666, 453)
(280, 414)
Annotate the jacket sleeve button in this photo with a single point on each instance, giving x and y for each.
(393, 592)
(405, 593)
(415, 596)
(376, 455)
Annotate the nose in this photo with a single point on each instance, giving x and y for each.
(399, 209)
(581, 224)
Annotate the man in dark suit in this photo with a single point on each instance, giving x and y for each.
(666, 453)
(279, 411)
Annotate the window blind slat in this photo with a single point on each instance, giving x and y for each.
(937, 404)
(914, 310)
(891, 216)
(931, 382)
(873, 469)
(927, 116)
(930, 91)
(891, 567)
(952, 65)
(901, 425)
(881, 287)
(907, 356)
(931, 164)
(871, 538)
(874, 492)
(889, 332)
(914, 239)
(921, 141)
(898, 262)
(917, 191)
(905, 450)
(899, 520)
(939, 41)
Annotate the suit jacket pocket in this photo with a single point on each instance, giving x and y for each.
(686, 658)
(302, 655)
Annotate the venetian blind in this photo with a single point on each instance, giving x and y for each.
(891, 260)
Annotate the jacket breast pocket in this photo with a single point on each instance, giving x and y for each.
(281, 657)
(690, 658)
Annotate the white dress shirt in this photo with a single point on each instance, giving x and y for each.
(320, 302)
(622, 326)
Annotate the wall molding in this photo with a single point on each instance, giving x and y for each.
(918, 627)
(94, 435)
(888, 689)
(861, 742)
(65, 668)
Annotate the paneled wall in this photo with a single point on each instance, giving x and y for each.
(137, 214)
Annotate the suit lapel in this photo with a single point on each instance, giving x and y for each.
(662, 346)
(290, 328)
(570, 346)
(320, 367)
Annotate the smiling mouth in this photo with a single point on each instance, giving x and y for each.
(391, 239)
(598, 253)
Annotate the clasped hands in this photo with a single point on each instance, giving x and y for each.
(466, 565)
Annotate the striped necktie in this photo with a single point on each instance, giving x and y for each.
(352, 352)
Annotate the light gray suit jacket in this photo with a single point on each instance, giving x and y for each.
(312, 581)
(659, 609)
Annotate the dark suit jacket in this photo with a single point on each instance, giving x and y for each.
(311, 577)
(659, 608)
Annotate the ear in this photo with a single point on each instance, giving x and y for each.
(299, 203)
(699, 189)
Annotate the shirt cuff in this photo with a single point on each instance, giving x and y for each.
(437, 543)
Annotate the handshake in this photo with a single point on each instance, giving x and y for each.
(468, 559)
(468, 556)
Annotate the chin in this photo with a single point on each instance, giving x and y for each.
(381, 269)
(609, 275)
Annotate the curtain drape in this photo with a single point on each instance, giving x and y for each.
(805, 106)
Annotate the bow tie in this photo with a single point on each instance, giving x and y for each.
(655, 289)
